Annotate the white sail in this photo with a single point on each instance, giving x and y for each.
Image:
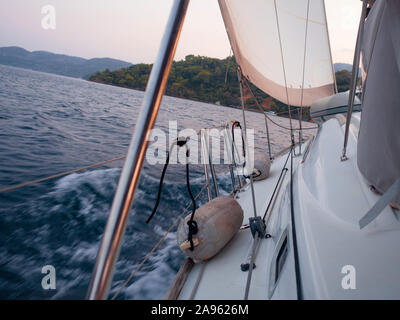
(272, 47)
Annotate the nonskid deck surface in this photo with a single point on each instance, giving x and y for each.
(330, 196)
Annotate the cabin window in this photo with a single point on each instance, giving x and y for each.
(281, 258)
(278, 261)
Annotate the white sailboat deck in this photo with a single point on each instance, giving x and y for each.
(222, 277)
(327, 231)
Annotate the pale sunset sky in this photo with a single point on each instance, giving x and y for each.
(131, 30)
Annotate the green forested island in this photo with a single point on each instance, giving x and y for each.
(203, 79)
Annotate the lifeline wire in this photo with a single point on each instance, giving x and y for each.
(17, 186)
(302, 84)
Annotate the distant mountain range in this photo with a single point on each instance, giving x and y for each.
(342, 66)
(345, 66)
(73, 66)
(57, 63)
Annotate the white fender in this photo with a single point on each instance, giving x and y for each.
(217, 221)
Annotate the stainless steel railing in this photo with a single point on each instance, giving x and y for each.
(111, 242)
(356, 63)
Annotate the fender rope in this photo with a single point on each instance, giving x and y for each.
(192, 224)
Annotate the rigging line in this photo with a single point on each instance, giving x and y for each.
(160, 186)
(240, 78)
(293, 107)
(275, 123)
(276, 186)
(244, 130)
(283, 66)
(192, 224)
(208, 152)
(266, 122)
(178, 143)
(226, 141)
(233, 150)
(157, 245)
(285, 112)
(21, 185)
(227, 66)
(283, 127)
(300, 115)
(204, 157)
(256, 241)
(294, 237)
(193, 228)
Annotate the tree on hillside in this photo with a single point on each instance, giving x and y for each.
(204, 79)
(343, 79)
